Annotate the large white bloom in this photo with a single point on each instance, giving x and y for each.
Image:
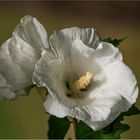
(18, 56)
(73, 52)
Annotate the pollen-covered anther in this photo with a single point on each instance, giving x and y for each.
(83, 83)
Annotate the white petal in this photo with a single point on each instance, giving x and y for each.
(6, 90)
(17, 61)
(61, 41)
(101, 111)
(106, 53)
(56, 108)
(85, 59)
(98, 114)
(81, 58)
(107, 116)
(23, 54)
(117, 94)
(19, 54)
(121, 79)
(32, 32)
(48, 69)
(53, 74)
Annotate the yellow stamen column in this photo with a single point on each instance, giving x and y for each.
(83, 83)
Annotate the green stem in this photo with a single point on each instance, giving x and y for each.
(74, 121)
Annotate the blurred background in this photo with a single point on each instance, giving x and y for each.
(26, 117)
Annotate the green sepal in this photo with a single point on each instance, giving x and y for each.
(132, 111)
(58, 127)
(115, 42)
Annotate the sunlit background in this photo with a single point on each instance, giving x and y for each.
(26, 117)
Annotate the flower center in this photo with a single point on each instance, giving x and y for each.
(82, 84)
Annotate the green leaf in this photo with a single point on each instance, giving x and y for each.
(58, 127)
(132, 111)
(115, 42)
(112, 131)
(85, 132)
(116, 128)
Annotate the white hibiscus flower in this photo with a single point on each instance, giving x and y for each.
(86, 78)
(18, 56)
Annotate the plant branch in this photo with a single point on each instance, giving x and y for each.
(74, 121)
